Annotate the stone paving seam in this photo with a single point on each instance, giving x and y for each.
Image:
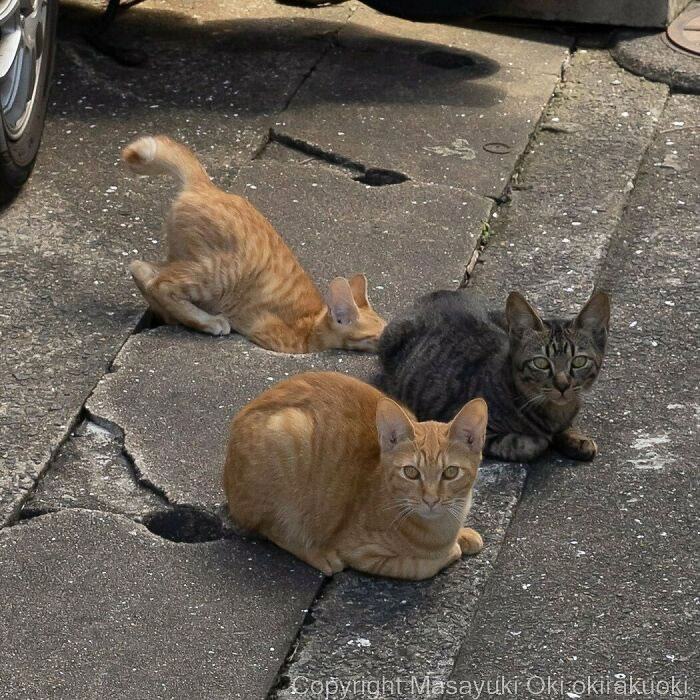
(388, 620)
(329, 41)
(15, 511)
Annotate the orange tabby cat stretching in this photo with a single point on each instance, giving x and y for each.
(228, 268)
(333, 471)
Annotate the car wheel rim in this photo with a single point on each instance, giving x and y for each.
(22, 24)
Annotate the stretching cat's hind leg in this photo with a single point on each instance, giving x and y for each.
(171, 292)
(575, 445)
(515, 447)
(143, 273)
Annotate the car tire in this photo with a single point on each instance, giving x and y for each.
(27, 53)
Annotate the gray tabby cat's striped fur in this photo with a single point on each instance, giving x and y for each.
(450, 348)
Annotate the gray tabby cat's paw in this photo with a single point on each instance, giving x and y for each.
(586, 449)
(575, 445)
(217, 325)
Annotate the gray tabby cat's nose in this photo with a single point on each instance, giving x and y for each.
(561, 381)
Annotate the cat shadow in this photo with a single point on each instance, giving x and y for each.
(189, 58)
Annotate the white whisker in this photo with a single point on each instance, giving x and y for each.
(535, 399)
(404, 513)
(398, 503)
(456, 510)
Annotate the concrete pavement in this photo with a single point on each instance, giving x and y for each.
(597, 582)
(373, 145)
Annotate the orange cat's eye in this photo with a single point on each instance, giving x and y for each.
(450, 472)
(411, 473)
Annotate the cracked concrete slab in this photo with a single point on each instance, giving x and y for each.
(598, 577)
(469, 98)
(96, 606)
(174, 392)
(369, 629)
(390, 641)
(91, 471)
(522, 252)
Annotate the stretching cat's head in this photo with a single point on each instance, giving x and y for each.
(553, 361)
(430, 467)
(349, 321)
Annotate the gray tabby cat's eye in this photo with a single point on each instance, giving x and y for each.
(450, 473)
(579, 361)
(411, 473)
(540, 363)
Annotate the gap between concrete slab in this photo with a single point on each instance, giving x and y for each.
(183, 523)
(113, 483)
(174, 522)
(497, 224)
(118, 433)
(491, 226)
(330, 40)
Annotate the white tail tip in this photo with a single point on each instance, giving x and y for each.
(140, 152)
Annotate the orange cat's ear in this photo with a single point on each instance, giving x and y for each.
(358, 285)
(393, 425)
(469, 425)
(341, 304)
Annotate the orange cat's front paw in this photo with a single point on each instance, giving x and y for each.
(328, 563)
(469, 541)
(217, 325)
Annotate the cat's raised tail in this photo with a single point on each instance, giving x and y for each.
(159, 155)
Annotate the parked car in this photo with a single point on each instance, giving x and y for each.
(27, 48)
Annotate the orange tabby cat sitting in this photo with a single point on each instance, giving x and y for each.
(333, 471)
(228, 268)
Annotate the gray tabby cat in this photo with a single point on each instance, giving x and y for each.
(449, 348)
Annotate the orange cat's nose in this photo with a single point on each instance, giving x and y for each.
(430, 501)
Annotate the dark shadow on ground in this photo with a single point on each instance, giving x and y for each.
(229, 64)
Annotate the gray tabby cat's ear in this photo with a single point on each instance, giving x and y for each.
(358, 285)
(393, 425)
(341, 304)
(594, 318)
(595, 315)
(520, 316)
(469, 425)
